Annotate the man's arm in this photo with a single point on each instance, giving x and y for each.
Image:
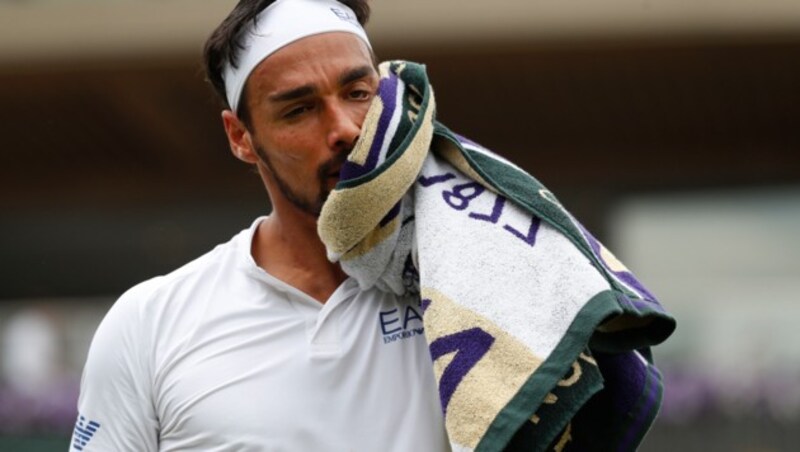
(116, 406)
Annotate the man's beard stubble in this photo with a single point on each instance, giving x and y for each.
(312, 207)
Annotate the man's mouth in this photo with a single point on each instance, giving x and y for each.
(332, 169)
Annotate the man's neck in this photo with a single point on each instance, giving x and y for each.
(289, 248)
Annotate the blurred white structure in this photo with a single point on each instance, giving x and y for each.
(727, 265)
(51, 29)
(30, 352)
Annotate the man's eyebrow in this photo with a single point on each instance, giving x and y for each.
(355, 74)
(306, 90)
(292, 94)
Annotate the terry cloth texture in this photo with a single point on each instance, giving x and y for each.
(539, 336)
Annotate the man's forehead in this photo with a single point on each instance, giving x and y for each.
(281, 23)
(304, 59)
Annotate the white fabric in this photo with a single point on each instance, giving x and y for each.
(280, 24)
(500, 256)
(221, 356)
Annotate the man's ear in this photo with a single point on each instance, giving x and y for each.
(239, 138)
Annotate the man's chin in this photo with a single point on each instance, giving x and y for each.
(316, 210)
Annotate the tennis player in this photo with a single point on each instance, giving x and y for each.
(263, 344)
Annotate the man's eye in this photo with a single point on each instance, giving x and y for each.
(297, 111)
(360, 94)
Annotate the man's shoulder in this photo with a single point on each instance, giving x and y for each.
(224, 257)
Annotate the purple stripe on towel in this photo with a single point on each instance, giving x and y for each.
(638, 305)
(469, 346)
(624, 276)
(632, 387)
(644, 414)
(387, 91)
(424, 304)
(391, 215)
(626, 377)
(646, 305)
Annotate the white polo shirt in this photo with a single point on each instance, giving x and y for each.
(221, 356)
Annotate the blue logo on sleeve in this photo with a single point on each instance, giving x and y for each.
(84, 431)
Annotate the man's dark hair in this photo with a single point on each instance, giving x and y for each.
(225, 43)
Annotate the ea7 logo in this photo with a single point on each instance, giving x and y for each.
(399, 324)
(84, 431)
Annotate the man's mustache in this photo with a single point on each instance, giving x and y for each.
(336, 162)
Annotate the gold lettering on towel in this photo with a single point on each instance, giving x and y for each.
(549, 399)
(565, 438)
(588, 358)
(572, 379)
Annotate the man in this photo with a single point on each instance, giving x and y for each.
(263, 344)
(540, 338)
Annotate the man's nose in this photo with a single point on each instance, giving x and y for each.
(344, 127)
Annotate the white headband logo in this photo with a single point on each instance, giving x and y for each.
(281, 24)
(345, 15)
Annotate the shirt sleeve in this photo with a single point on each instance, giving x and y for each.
(115, 406)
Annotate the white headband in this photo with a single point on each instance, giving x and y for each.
(280, 24)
